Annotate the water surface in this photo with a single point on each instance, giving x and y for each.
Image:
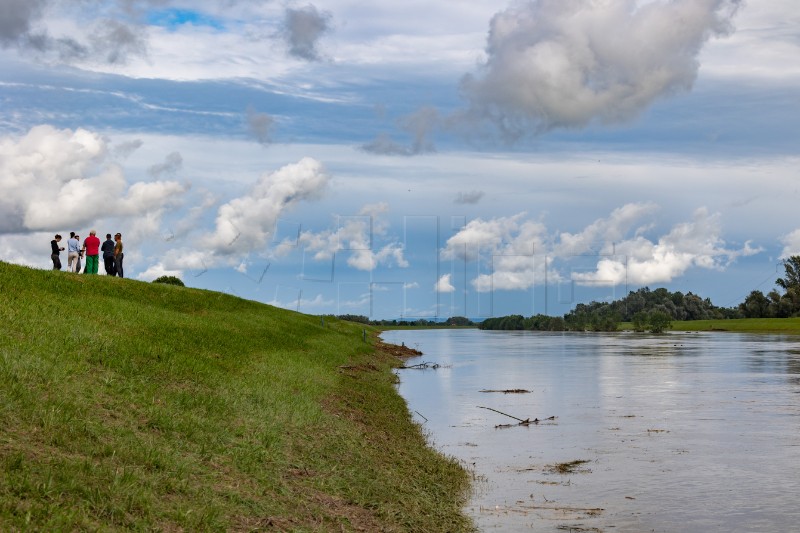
(679, 432)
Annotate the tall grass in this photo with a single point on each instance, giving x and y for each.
(129, 405)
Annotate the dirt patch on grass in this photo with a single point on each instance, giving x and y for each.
(321, 512)
(401, 352)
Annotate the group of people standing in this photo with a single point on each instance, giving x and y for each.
(91, 249)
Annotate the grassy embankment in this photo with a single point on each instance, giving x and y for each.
(129, 405)
(741, 325)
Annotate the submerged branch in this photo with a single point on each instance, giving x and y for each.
(421, 366)
(525, 422)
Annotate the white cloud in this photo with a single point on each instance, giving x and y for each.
(443, 284)
(791, 244)
(356, 235)
(158, 270)
(600, 235)
(53, 179)
(497, 236)
(246, 223)
(564, 64)
(689, 244)
(517, 251)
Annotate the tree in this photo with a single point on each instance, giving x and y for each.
(639, 321)
(459, 321)
(792, 278)
(659, 321)
(169, 280)
(756, 305)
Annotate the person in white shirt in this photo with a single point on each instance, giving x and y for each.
(73, 251)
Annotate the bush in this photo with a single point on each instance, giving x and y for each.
(169, 280)
(659, 321)
(639, 321)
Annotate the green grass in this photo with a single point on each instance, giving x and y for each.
(129, 405)
(742, 325)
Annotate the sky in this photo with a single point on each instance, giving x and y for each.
(408, 160)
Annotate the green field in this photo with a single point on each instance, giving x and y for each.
(742, 325)
(129, 405)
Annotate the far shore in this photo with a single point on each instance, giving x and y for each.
(789, 326)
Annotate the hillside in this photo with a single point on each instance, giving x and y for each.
(129, 405)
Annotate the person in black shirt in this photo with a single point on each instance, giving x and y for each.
(55, 251)
(108, 255)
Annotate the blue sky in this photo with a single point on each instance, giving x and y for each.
(423, 160)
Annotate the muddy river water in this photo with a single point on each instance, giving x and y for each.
(680, 432)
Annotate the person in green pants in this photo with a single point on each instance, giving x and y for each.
(92, 246)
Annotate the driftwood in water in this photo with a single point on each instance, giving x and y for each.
(521, 422)
(507, 391)
(421, 366)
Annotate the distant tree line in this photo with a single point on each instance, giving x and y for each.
(654, 310)
(452, 321)
(648, 310)
(775, 304)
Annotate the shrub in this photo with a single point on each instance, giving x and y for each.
(659, 321)
(169, 280)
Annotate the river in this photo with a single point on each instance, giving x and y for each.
(682, 432)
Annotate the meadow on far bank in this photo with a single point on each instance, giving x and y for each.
(131, 405)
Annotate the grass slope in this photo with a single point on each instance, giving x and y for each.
(129, 405)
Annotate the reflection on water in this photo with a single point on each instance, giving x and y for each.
(673, 433)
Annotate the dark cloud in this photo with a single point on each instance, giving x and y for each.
(172, 164)
(302, 30)
(418, 126)
(471, 197)
(16, 18)
(125, 149)
(109, 41)
(259, 125)
(113, 42)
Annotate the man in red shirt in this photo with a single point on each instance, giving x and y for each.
(92, 246)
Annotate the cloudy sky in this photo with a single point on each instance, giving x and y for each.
(414, 159)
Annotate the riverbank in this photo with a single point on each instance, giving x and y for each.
(131, 405)
(789, 326)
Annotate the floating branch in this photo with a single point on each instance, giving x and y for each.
(507, 391)
(525, 422)
(421, 366)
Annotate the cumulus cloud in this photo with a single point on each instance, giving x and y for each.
(417, 126)
(259, 125)
(51, 179)
(566, 63)
(302, 30)
(247, 223)
(444, 285)
(689, 244)
(791, 244)
(518, 251)
(601, 234)
(357, 235)
(172, 164)
(158, 270)
(471, 197)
